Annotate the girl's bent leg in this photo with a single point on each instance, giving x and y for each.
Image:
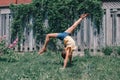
(48, 36)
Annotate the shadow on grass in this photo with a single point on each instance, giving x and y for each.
(68, 64)
(2, 59)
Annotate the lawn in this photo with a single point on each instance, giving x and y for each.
(31, 66)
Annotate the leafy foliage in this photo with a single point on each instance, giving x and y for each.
(87, 52)
(107, 50)
(118, 50)
(4, 50)
(60, 15)
(111, 49)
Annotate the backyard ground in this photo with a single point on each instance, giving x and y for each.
(31, 66)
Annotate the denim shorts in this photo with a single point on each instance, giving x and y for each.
(61, 36)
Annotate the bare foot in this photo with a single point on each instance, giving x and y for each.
(84, 15)
(42, 50)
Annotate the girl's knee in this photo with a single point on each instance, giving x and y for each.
(47, 37)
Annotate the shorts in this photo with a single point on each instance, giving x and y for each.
(61, 36)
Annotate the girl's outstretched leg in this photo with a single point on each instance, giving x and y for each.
(71, 28)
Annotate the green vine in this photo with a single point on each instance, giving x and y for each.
(59, 13)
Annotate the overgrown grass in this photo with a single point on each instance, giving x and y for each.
(31, 66)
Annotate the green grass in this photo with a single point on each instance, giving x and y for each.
(47, 67)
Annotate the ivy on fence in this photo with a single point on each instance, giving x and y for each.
(59, 13)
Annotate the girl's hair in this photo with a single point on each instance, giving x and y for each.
(63, 54)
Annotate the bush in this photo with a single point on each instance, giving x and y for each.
(107, 50)
(4, 49)
(87, 52)
(118, 50)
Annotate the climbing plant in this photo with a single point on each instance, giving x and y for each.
(60, 15)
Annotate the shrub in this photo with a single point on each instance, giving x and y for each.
(87, 52)
(4, 49)
(107, 50)
(118, 50)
